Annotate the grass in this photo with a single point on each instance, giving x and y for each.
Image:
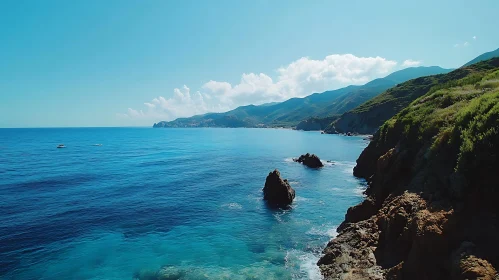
(461, 116)
(463, 82)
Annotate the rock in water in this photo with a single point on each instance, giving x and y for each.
(277, 191)
(309, 160)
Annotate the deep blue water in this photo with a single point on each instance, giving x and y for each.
(187, 201)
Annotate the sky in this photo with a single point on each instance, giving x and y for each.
(133, 63)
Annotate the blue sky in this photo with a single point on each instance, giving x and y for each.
(127, 63)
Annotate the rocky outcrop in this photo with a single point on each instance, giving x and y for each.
(407, 238)
(309, 125)
(310, 160)
(352, 122)
(278, 192)
(312, 124)
(402, 232)
(432, 205)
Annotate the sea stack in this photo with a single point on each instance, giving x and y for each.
(309, 160)
(277, 191)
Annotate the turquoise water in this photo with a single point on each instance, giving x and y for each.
(183, 203)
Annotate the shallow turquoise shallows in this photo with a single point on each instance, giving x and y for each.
(187, 202)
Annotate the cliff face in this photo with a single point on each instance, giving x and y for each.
(432, 204)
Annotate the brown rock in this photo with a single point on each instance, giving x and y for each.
(465, 265)
(310, 160)
(277, 191)
(360, 212)
(472, 267)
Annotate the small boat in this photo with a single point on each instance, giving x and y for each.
(61, 146)
(98, 145)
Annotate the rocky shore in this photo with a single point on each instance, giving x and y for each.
(432, 202)
(410, 228)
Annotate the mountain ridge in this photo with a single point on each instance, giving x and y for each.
(482, 57)
(369, 116)
(292, 111)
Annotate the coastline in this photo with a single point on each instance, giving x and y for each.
(432, 199)
(367, 136)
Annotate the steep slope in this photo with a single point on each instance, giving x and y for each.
(482, 57)
(314, 123)
(432, 204)
(294, 110)
(371, 89)
(369, 116)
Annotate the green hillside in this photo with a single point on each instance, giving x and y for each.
(432, 198)
(462, 113)
(368, 117)
(485, 56)
(318, 105)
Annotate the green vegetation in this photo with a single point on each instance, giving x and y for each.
(369, 116)
(458, 118)
(315, 123)
(485, 56)
(291, 112)
(477, 128)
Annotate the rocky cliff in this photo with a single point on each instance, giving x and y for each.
(432, 202)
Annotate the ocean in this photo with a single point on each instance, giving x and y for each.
(168, 203)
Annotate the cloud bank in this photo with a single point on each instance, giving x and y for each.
(297, 79)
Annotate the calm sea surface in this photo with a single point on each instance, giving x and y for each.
(168, 203)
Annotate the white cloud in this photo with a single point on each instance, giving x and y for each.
(474, 37)
(411, 63)
(297, 79)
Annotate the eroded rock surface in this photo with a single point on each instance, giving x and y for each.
(310, 160)
(277, 191)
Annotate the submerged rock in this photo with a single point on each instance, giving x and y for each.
(309, 160)
(165, 273)
(277, 191)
